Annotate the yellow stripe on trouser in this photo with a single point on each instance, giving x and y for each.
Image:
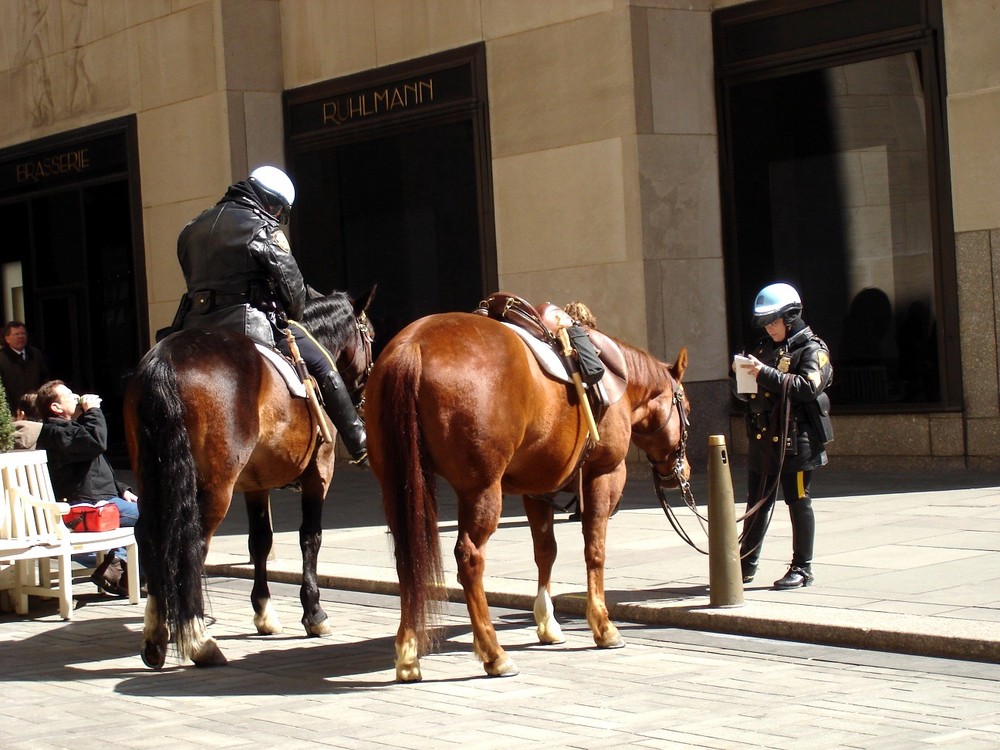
(800, 484)
(333, 365)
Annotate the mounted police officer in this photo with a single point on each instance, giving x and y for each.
(788, 424)
(241, 275)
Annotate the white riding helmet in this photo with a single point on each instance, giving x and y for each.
(276, 184)
(776, 301)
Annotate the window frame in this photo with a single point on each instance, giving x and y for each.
(762, 40)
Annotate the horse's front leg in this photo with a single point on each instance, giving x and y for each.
(601, 494)
(259, 541)
(540, 516)
(314, 619)
(478, 517)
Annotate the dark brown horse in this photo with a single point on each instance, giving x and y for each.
(460, 396)
(206, 416)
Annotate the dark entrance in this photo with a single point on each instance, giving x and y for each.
(393, 187)
(70, 207)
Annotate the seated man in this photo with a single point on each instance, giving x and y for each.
(74, 434)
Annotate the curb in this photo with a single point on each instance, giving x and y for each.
(767, 622)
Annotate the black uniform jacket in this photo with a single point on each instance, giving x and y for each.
(803, 360)
(239, 270)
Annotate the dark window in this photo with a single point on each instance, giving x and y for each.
(835, 181)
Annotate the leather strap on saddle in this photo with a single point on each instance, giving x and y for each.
(509, 308)
(541, 324)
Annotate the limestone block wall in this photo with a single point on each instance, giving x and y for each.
(973, 59)
(207, 103)
(562, 127)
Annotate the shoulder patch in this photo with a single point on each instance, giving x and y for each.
(824, 358)
(279, 239)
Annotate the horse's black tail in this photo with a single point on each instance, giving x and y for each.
(168, 531)
(409, 495)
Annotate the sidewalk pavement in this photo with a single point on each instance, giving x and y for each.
(904, 562)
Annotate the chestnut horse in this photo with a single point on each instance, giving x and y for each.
(460, 395)
(206, 416)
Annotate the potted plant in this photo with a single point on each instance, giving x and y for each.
(6, 423)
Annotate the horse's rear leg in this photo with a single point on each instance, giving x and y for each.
(259, 542)
(543, 535)
(314, 619)
(478, 517)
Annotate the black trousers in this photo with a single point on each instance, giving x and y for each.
(795, 490)
(318, 360)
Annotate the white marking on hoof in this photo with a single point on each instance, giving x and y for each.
(266, 621)
(407, 661)
(548, 629)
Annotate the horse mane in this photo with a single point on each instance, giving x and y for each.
(329, 319)
(644, 369)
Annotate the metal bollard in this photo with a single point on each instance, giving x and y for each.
(725, 578)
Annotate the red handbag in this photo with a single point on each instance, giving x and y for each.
(90, 517)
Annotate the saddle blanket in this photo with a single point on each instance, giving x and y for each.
(285, 369)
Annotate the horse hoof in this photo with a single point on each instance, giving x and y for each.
(409, 673)
(267, 623)
(210, 656)
(153, 656)
(504, 667)
(616, 642)
(321, 629)
(549, 636)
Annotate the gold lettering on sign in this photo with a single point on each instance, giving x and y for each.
(377, 102)
(50, 166)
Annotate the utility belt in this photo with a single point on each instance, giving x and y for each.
(205, 301)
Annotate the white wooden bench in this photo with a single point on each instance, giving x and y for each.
(33, 535)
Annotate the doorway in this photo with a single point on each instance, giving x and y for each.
(400, 197)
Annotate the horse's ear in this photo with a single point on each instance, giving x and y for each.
(361, 303)
(677, 368)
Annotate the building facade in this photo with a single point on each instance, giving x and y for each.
(659, 160)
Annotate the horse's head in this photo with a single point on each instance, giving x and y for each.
(660, 426)
(341, 324)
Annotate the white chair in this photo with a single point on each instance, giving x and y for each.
(32, 534)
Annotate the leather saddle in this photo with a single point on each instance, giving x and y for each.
(537, 328)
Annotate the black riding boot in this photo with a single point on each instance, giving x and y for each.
(803, 533)
(345, 417)
(754, 529)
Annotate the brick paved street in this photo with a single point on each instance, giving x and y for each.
(81, 684)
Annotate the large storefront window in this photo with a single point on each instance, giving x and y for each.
(832, 185)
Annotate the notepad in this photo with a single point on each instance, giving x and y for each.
(745, 381)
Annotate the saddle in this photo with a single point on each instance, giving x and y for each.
(538, 328)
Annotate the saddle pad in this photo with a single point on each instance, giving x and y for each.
(546, 356)
(285, 369)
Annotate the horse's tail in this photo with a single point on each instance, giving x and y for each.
(168, 531)
(409, 496)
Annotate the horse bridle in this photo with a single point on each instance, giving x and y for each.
(364, 328)
(677, 403)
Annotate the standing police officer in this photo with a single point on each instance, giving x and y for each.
(241, 275)
(788, 424)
